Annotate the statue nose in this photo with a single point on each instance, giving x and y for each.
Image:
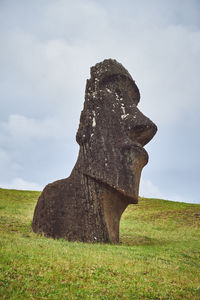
(142, 129)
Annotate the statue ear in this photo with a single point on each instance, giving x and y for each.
(84, 130)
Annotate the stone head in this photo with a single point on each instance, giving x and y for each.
(112, 130)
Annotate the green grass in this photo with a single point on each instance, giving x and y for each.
(158, 256)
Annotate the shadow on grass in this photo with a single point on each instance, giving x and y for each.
(139, 240)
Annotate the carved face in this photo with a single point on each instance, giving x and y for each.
(112, 130)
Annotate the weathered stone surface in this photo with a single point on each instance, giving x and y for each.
(88, 205)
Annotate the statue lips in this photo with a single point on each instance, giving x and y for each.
(138, 137)
(134, 146)
(140, 134)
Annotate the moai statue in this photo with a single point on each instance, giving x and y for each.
(87, 206)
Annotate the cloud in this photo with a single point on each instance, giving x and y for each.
(5, 161)
(28, 145)
(150, 190)
(53, 65)
(20, 184)
(73, 20)
(21, 127)
(46, 51)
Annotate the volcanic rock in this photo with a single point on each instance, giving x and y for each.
(87, 206)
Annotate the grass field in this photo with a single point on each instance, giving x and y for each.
(158, 256)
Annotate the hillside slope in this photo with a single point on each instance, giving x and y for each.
(158, 256)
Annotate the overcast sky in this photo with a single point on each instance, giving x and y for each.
(47, 49)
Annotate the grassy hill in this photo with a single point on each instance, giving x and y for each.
(158, 256)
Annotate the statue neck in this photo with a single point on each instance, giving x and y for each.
(104, 203)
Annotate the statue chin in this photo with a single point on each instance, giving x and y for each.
(122, 175)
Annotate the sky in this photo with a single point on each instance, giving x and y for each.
(47, 49)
